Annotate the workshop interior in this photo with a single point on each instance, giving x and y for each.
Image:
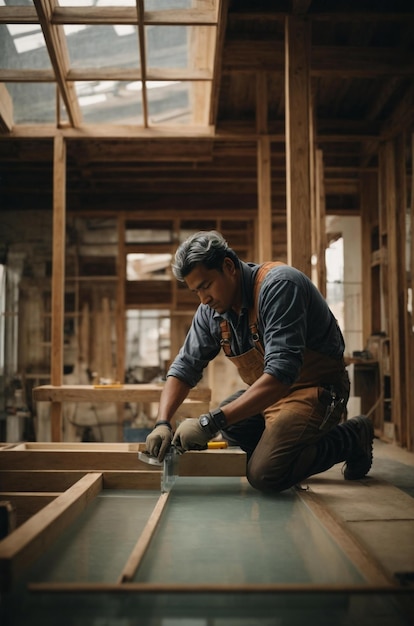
(126, 126)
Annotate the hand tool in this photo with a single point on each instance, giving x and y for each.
(170, 463)
(169, 466)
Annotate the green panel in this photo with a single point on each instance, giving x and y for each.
(97, 545)
(220, 530)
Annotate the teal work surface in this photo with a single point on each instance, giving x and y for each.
(218, 530)
(213, 530)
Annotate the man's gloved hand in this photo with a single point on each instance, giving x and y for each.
(190, 435)
(159, 440)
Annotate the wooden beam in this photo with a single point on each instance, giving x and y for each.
(58, 279)
(128, 15)
(327, 61)
(410, 346)
(264, 201)
(395, 217)
(320, 222)
(26, 543)
(220, 38)
(59, 57)
(6, 110)
(369, 219)
(144, 540)
(298, 116)
(145, 392)
(41, 481)
(400, 285)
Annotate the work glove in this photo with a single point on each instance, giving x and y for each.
(159, 440)
(190, 435)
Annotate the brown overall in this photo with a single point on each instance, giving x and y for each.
(286, 452)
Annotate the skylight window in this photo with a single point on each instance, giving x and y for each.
(102, 60)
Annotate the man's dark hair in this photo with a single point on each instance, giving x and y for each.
(208, 248)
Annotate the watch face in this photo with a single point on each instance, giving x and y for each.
(204, 420)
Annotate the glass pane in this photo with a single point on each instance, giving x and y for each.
(22, 46)
(190, 47)
(246, 556)
(169, 102)
(110, 101)
(100, 3)
(33, 102)
(166, 46)
(102, 46)
(16, 3)
(160, 5)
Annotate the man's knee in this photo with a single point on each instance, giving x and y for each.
(265, 478)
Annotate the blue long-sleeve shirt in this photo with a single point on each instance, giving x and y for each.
(292, 316)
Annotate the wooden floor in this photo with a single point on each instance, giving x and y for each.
(378, 510)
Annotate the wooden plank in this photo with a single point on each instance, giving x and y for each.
(226, 462)
(242, 588)
(41, 481)
(298, 103)
(230, 462)
(26, 543)
(127, 393)
(372, 571)
(72, 460)
(144, 540)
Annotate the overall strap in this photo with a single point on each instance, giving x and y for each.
(254, 312)
(225, 337)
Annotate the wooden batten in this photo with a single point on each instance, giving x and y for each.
(19, 549)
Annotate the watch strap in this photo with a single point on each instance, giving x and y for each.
(218, 418)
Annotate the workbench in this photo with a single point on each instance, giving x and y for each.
(118, 394)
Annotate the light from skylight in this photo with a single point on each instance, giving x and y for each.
(87, 101)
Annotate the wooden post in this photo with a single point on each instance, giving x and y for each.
(410, 321)
(319, 227)
(58, 279)
(369, 218)
(298, 118)
(264, 174)
(396, 254)
(264, 200)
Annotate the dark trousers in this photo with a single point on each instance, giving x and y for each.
(292, 440)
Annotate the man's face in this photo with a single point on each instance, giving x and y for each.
(219, 290)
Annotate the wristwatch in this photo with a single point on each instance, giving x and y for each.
(213, 421)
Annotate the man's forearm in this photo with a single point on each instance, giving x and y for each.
(173, 395)
(263, 393)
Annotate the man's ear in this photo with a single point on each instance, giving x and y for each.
(229, 265)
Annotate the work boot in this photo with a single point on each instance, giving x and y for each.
(359, 461)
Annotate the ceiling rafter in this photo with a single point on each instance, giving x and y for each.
(59, 57)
